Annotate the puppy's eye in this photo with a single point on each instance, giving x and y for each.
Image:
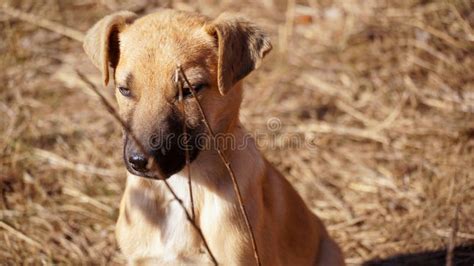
(197, 88)
(125, 91)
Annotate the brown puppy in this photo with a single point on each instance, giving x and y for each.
(215, 55)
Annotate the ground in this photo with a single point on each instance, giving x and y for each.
(378, 96)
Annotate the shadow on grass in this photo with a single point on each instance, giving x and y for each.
(463, 255)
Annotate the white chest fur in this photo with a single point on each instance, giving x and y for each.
(153, 225)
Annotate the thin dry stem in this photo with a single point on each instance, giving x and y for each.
(229, 169)
(452, 237)
(179, 84)
(61, 162)
(20, 235)
(44, 23)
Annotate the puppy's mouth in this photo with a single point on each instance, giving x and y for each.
(161, 160)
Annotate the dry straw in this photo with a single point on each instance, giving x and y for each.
(385, 90)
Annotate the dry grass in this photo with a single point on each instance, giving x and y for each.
(384, 88)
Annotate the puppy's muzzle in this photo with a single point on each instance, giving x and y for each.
(138, 160)
(168, 158)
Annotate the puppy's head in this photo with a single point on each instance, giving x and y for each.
(141, 56)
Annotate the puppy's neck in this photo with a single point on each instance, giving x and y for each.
(239, 149)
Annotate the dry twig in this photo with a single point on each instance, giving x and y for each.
(179, 84)
(61, 162)
(20, 235)
(229, 169)
(43, 23)
(452, 237)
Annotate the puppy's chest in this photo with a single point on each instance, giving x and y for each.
(155, 228)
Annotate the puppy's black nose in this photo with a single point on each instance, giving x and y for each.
(138, 162)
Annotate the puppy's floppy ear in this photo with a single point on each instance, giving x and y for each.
(101, 43)
(241, 48)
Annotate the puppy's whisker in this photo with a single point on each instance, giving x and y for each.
(227, 165)
(151, 162)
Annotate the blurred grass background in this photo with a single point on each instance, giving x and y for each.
(385, 90)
